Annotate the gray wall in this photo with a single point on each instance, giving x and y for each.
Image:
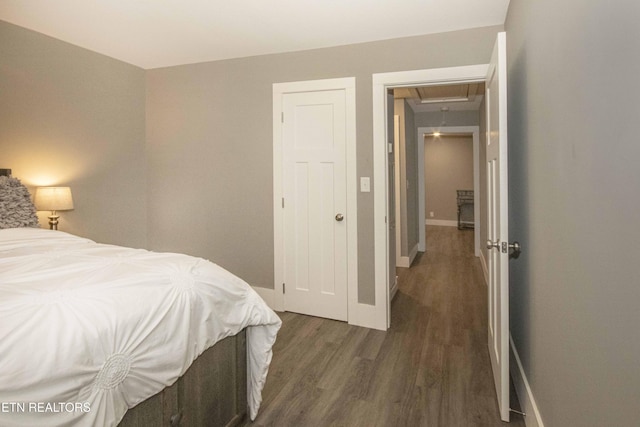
(448, 166)
(573, 70)
(202, 184)
(209, 143)
(72, 117)
(453, 118)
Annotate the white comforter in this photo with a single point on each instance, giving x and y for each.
(89, 330)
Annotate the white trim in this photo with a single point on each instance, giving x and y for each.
(523, 390)
(381, 82)
(403, 262)
(397, 195)
(406, 261)
(348, 84)
(474, 131)
(441, 222)
(422, 209)
(363, 315)
(476, 190)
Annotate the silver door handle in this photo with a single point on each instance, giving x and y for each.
(339, 217)
(513, 249)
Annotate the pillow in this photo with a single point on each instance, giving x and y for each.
(16, 207)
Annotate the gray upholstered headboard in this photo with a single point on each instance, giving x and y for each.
(5, 172)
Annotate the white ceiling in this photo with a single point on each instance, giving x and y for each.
(160, 33)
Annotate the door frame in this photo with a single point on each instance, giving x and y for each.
(381, 83)
(474, 131)
(396, 173)
(348, 84)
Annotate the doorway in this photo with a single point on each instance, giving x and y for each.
(495, 75)
(474, 132)
(443, 111)
(381, 84)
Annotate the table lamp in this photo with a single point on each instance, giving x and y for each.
(53, 199)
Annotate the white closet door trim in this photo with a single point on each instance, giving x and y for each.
(279, 89)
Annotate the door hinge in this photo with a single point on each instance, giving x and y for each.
(282, 117)
(283, 202)
(284, 289)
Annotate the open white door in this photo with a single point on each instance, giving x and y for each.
(498, 225)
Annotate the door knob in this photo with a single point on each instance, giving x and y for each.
(514, 247)
(339, 217)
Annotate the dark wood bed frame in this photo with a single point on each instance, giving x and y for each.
(213, 391)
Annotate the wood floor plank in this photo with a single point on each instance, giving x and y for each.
(431, 368)
(372, 344)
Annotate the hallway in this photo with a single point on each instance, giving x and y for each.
(431, 368)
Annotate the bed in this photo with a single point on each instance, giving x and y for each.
(102, 335)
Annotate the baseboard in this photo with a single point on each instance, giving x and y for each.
(442, 222)
(394, 289)
(406, 261)
(485, 270)
(403, 261)
(525, 395)
(364, 315)
(269, 296)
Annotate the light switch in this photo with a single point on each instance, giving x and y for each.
(365, 184)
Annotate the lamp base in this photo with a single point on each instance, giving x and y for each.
(53, 221)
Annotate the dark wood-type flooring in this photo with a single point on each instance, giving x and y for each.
(431, 368)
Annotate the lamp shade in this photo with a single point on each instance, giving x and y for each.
(53, 199)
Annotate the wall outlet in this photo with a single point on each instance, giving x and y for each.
(431, 214)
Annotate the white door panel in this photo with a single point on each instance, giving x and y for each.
(498, 226)
(314, 187)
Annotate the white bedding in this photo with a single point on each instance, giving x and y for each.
(89, 330)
